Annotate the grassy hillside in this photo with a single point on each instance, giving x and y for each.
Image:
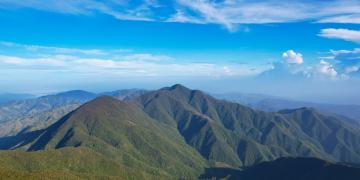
(121, 132)
(65, 163)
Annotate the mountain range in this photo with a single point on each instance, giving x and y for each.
(274, 104)
(118, 131)
(175, 133)
(8, 97)
(37, 113)
(236, 135)
(25, 113)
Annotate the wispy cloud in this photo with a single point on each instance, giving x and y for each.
(37, 48)
(208, 12)
(126, 63)
(119, 9)
(181, 17)
(228, 13)
(344, 19)
(127, 67)
(347, 61)
(344, 34)
(147, 57)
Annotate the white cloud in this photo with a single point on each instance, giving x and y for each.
(13, 60)
(129, 67)
(182, 17)
(344, 34)
(61, 50)
(209, 12)
(147, 57)
(50, 49)
(326, 69)
(344, 19)
(127, 63)
(289, 68)
(232, 12)
(228, 13)
(292, 57)
(351, 69)
(347, 61)
(118, 9)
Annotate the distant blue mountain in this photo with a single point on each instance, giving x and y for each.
(125, 94)
(39, 112)
(274, 104)
(79, 95)
(8, 97)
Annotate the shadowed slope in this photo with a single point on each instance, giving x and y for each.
(338, 138)
(287, 168)
(225, 132)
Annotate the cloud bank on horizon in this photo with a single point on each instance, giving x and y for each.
(114, 62)
(127, 63)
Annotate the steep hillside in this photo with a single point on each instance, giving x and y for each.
(121, 132)
(66, 163)
(338, 138)
(232, 134)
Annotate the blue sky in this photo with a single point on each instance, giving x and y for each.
(300, 49)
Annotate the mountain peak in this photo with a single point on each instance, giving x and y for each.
(177, 90)
(103, 101)
(75, 92)
(178, 86)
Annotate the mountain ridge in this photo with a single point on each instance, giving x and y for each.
(273, 104)
(34, 114)
(119, 131)
(177, 132)
(225, 118)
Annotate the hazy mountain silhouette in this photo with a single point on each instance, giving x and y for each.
(38, 113)
(274, 104)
